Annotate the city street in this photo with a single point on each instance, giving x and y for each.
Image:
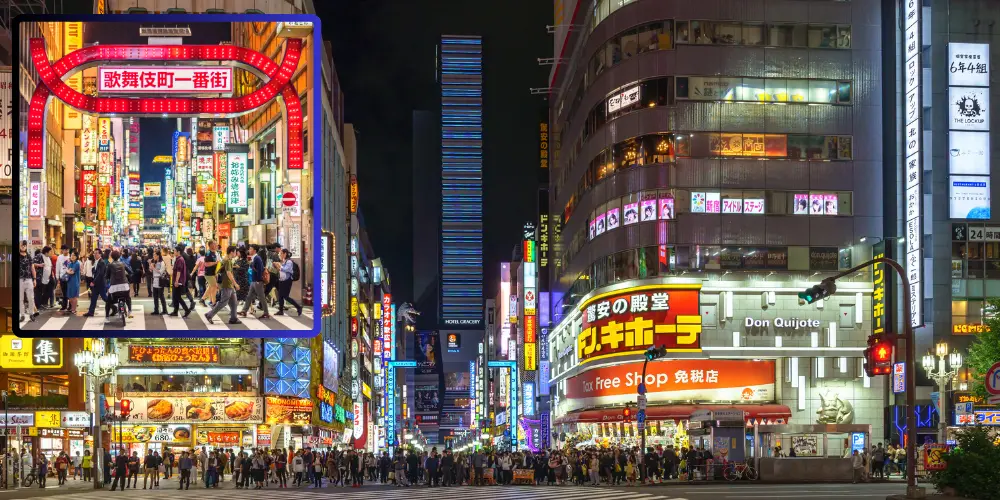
(378, 492)
(143, 319)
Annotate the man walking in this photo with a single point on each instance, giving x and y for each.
(121, 467)
(228, 287)
(179, 279)
(256, 279)
(100, 286)
(26, 276)
(211, 285)
(287, 276)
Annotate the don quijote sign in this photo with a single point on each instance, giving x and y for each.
(780, 326)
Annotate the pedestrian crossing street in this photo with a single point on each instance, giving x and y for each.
(375, 493)
(143, 319)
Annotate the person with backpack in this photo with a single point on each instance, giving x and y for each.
(229, 287)
(289, 274)
(258, 277)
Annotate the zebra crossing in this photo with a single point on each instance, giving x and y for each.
(143, 320)
(368, 493)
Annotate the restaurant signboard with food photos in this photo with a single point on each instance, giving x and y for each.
(173, 354)
(295, 411)
(200, 409)
(168, 434)
(634, 319)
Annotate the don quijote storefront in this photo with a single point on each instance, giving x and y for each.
(738, 355)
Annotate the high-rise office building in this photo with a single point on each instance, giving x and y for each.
(461, 76)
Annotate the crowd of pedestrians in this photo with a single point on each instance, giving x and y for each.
(254, 275)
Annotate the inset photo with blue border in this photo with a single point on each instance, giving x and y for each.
(169, 176)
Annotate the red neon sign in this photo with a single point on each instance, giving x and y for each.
(52, 84)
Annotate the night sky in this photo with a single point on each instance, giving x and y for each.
(384, 54)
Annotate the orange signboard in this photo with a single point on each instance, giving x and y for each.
(688, 379)
(173, 354)
(632, 320)
(969, 329)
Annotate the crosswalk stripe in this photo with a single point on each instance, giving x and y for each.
(96, 322)
(54, 323)
(289, 322)
(175, 322)
(253, 323)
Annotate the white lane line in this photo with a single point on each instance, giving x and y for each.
(175, 322)
(54, 323)
(290, 323)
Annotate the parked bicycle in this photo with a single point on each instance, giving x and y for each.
(740, 470)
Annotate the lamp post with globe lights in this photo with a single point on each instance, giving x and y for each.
(97, 365)
(942, 371)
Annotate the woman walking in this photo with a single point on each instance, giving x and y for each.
(157, 278)
(87, 271)
(72, 269)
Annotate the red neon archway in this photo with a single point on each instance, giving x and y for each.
(279, 82)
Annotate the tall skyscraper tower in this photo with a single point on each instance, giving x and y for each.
(460, 62)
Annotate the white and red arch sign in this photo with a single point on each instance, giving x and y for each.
(278, 77)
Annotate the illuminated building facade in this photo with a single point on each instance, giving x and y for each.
(461, 78)
(719, 163)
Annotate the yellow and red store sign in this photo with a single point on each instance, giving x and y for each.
(699, 380)
(632, 320)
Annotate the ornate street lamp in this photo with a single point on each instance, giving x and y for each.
(96, 365)
(942, 372)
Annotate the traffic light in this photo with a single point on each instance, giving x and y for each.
(656, 352)
(821, 291)
(627, 414)
(878, 357)
(126, 407)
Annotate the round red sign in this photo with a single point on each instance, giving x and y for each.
(288, 199)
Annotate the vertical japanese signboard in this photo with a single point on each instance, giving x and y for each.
(913, 152)
(88, 141)
(882, 290)
(6, 95)
(236, 178)
(104, 134)
(969, 130)
(73, 41)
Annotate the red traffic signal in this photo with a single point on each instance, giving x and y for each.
(878, 357)
(126, 406)
(627, 414)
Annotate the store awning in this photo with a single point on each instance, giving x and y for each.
(677, 412)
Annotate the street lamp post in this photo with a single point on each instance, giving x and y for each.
(98, 365)
(910, 359)
(941, 375)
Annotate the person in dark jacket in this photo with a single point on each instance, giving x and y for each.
(179, 279)
(447, 462)
(99, 287)
(412, 463)
(121, 470)
(433, 461)
(185, 464)
(189, 261)
(118, 285)
(256, 284)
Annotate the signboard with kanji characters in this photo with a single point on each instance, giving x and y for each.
(173, 354)
(172, 79)
(18, 353)
(635, 319)
(698, 380)
(236, 178)
(881, 290)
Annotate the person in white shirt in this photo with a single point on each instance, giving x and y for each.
(87, 271)
(60, 268)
